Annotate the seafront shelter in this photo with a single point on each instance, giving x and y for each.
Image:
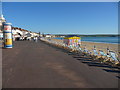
(72, 40)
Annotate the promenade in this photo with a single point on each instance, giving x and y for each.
(38, 65)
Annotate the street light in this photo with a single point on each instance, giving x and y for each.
(0, 8)
(2, 19)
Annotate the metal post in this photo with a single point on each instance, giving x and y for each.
(0, 7)
(7, 34)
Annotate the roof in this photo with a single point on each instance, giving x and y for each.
(19, 29)
(72, 36)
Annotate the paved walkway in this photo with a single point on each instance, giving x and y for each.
(38, 65)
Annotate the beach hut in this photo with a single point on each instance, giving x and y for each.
(72, 40)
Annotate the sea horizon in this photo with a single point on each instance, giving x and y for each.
(109, 40)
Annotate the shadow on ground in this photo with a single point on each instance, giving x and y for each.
(88, 60)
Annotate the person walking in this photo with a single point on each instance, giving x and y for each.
(36, 38)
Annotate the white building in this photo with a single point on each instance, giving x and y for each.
(19, 33)
(16, 33)
(2, 19)
(34, 34)
(48, 36)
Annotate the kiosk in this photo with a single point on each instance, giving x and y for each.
(72, 40)
(7, 35)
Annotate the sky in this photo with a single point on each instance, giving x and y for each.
(63, 17)
(61, 0)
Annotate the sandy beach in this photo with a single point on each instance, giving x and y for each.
(99, 46)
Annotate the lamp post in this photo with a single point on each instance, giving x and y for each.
(6, 29)
(1, 7)
(0, 16)
(39, 34)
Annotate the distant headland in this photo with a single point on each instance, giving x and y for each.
(94, 35)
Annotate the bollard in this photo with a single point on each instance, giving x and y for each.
(7, 34)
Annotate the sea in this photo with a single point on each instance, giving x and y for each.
(112, 40)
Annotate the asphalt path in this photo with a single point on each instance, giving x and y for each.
(38, 65)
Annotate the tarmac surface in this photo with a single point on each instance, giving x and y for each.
(38, 65)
